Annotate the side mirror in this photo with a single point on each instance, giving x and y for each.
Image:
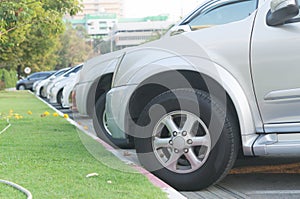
(281, 11)
(179, 29)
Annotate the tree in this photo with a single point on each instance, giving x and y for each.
(74, 49)
(29, 31)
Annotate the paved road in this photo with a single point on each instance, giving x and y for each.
(252, 177)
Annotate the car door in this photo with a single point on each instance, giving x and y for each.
(32, 79)
(275, 65)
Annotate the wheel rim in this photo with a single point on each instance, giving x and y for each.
(181, 142)
(104, 120)
(22, 87)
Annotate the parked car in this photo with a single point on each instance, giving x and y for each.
(26, 84)
(66, 98)
(55, 91)
(36, 83)
(224, 81)
(49, 83)
(93, 83)
(39, 87)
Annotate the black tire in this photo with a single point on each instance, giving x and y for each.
(214, 159)
(101, 129)
(40, 92)
(58, 97)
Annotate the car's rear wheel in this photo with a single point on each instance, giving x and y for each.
(187, 138)
(100, 126)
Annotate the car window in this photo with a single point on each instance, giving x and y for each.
(60, 72)
(222, 12)
(75, 70)
(33, 76)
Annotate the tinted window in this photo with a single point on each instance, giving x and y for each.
(223, 12)
(74, 70)
(33, 76)
(59, 73)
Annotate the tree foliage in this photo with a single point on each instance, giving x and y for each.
(30, 30)
(74, 49)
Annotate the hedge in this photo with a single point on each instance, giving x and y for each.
(8, 79)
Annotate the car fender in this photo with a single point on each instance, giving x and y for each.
(246, 115)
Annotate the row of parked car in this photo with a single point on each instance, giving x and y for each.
(221, 82)
(56, 86)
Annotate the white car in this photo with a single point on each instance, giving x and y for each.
(225, 81)
(66, 98)
(55, 91)
(39, 87)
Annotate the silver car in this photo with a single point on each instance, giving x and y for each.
(93, 83)
(223, 81)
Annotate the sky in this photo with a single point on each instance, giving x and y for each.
(175, 8)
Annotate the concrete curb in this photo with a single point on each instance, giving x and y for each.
(172, 193)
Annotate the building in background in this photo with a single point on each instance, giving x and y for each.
(91, 7)
(100, 25)
(132, 32)
(105, 26)
(111, 33)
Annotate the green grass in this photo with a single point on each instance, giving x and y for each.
(46, 155)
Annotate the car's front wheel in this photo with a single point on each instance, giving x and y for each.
(21, 87)
(59, 97)
(187, 138)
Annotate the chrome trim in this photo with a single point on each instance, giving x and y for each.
(282, 128)
(277, 145)
(283, 94)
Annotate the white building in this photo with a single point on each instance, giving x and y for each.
(100, 24)
(100, 6)
(133, 33)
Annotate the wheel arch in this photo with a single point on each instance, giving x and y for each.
(22, 84)
(236, 98)
(99, 86)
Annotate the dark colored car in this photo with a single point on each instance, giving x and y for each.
(26, 83)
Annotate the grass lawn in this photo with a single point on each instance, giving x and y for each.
(45, 154)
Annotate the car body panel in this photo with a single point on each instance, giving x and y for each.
(90, 74)
(67, 92)
(276, 80)
(231, 54)
(194, 51)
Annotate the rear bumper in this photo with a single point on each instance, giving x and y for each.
(81, 97)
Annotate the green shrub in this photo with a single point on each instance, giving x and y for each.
(9, 78)
(2, 85)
